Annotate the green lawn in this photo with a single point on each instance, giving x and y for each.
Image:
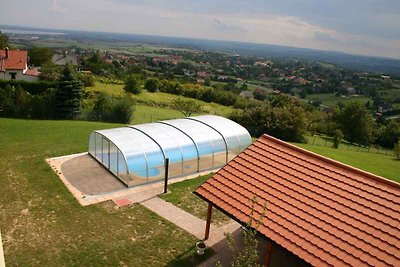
(180, 194)
(146, 114)
(332, 100)
(43, 225)
(377, 163)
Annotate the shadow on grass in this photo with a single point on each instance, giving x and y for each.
(190, 258)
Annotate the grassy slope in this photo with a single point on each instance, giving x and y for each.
(153, 99)
(380, 164)
(43, 225)
(332, 100)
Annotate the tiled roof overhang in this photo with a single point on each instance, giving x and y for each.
(321, 210)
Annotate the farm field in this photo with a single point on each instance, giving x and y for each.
(160, 99)
(332, 100)
(43, 225)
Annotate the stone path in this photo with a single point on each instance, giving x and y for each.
(177, 216)
(196, 227)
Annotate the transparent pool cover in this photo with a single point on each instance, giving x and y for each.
(136, 154)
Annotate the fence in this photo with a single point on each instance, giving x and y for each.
(319, 140)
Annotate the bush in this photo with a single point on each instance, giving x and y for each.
(122, 110)
(337, 138)
(151, 85)
(33, 88)
(132, 85)
(86, 79)
(16, 102)
(102, 107)
(397, 150)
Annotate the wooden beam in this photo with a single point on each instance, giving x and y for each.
(268, 255)
(208, 222)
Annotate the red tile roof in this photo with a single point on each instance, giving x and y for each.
(323, 211)
(16, 60)
(32, 72)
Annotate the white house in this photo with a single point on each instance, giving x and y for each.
(14, 66)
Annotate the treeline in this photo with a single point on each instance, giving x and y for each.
(291, 120)
(135, 83)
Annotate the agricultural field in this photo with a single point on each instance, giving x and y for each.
(43, 225)
(159, 102)
(331, 100)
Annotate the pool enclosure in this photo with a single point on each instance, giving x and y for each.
(137, 154)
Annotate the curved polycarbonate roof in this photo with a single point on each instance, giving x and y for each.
(137, 153)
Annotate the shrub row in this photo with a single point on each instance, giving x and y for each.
(33, 88)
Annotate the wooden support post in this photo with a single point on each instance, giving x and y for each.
(268, 255)
(208, 222)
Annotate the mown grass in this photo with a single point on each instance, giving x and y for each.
(146, 114)
(332, 100)
(43, 225)
(377, 163)
(180, 194)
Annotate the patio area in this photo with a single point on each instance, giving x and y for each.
(91, 183)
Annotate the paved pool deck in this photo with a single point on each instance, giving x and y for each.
(91, 183)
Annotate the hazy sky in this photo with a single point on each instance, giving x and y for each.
(370, 27)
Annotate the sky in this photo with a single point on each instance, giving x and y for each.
(367, 27)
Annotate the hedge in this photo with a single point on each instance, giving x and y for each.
(33, 88)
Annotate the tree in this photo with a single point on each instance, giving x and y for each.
(287, 123)
(186, 107)
(68, 95)
(397, 150)
(50, 72)
(151, 85)
(337, 138)
(95, 64)
(356, 123)
(86, 79)
(3, 40)
(389, 134)
(132, 85)
(39, 56)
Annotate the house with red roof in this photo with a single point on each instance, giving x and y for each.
(319, 210)
(14, 66)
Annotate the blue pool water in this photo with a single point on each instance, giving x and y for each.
(156, 160)
(152, 173)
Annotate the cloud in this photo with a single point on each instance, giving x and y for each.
(56, 7)
(226, 27)
(356, 26)
(321, 36)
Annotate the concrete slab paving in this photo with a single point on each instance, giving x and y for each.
(91, 183)
(177, 216)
